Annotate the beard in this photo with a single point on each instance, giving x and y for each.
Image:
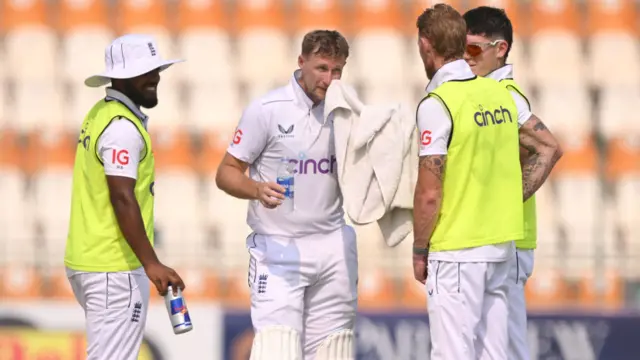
(144, 98)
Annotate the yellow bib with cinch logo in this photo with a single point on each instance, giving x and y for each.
(482, 185)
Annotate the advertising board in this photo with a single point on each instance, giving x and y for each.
(55, 331)
(405, 336)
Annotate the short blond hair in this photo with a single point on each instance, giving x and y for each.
(445, 29)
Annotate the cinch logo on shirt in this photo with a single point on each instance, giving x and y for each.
(492, 117)
(313, 166)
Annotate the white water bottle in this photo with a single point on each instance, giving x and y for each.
(285, 178)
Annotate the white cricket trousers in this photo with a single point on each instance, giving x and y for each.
(307, 283)
(115, 306)
(468, 310)
(520, 269)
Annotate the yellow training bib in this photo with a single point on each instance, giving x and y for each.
(530, 216)
(95, 242)
(482, 186)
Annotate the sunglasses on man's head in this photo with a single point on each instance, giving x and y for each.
(475, 49)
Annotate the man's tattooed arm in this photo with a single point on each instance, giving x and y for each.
(427, 198)
(539, 152)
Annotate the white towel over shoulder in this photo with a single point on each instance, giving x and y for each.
(377, 159)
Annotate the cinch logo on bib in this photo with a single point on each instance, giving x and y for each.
(486, 117)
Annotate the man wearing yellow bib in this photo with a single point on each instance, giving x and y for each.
(468, 198)
(489, 39)
(109, 254)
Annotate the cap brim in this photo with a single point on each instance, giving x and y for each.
(104, 78)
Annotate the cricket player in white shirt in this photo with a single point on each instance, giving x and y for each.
(303, 264)
(489, 40)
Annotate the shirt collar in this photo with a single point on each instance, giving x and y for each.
(455, 70)
(501, 73)
(301, 96)
(113, 94)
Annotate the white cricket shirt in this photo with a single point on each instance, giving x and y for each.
(434, 123)
(284, 123)
(120, 137)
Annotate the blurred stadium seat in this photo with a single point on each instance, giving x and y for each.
(17, 227)
(20, 280)
(315, 14)
(227, 217)
(178, 210)
(203, 281)
(86, 31)
(147, 17)
(613, 29)
(29, 22)
(204, 39)
(224, 216)
(5, 120)
(379, 31)
(616, 115)
(623, 173)
(237, 291)
(52, 183)
(565, 109)
(79, 101)
(376, 290)
(264, 58)
(556, 53)
(578, 61)
(549, 249)
(47, 115)
(579, 192)
(547, 289)
(226, 114)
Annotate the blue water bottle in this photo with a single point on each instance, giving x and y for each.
(285, 179)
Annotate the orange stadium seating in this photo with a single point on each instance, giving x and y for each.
(578, 62)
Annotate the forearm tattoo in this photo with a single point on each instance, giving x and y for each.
(531, 169)
(426, 210)
(434, 164)
(536, 166)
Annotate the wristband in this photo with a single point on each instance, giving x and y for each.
(420, 251)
